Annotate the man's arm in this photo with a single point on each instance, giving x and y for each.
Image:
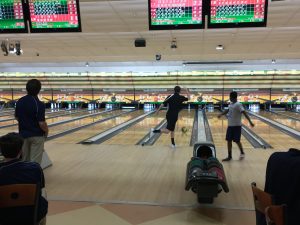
(223, 113)
(42, 121)
(165, 102)
(44, 126)
(16, 112)
(188, 94)
(248, 118)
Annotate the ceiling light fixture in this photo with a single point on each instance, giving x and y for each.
(87, 64)
(273, 61)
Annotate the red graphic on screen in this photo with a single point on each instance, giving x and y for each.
(190, 7)
(62, 13)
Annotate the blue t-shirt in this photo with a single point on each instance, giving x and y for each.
(19, 172)
(29, 112)
(283, 182)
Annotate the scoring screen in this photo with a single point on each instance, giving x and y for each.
(175, 14)
(54, 14)
(237, 11)
(11, 15)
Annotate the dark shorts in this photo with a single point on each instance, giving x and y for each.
(171, 123)
(234, 134)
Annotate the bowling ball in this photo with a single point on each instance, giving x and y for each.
(184, 129)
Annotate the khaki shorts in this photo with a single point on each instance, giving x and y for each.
(33, 149)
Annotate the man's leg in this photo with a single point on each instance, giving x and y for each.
(37, 149)
(229, 147)
(229, 144)
(242, 155)
(165, 131)
(239, 144)
(26, 150)
(172, 138)
(237, 140)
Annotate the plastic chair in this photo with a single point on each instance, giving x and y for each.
(276, 215)
(261, 201)
(15, 196)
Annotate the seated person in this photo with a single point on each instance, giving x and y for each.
(283, 182)
(15, 171)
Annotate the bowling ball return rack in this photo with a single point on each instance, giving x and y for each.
(205, 175)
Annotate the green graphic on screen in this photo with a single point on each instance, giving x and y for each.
(170, 12)
(237, 11)
(53, 14)
(11, 15)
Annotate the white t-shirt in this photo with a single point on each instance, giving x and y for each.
(235, 114)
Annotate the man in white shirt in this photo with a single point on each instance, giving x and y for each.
(234, 130)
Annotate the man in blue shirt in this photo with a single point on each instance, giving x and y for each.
(283, 182)
(30, 113)
(15, 171)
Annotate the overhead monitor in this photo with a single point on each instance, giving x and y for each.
(12, 17)
(54, 16)
(237, 13)
(175, 14)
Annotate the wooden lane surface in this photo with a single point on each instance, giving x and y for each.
(277, 139)
(281, 119)
(185, 119)
(123, 173)
(136, 132)
(11, 114)
(218, 129)
(64, 115)
(72, 115)
(292, 114)
(96, 129)
(49, 121)
(66, 126)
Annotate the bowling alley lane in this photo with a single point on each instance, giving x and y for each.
(185, 119)
(218, 127)
(292, 114)
(69, 115)
(277, 139)
(63, 115)
(281, 119)
(73, 124)
(53, 120)
(85, 133)
(136, 132)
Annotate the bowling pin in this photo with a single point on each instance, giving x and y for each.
(52, 106)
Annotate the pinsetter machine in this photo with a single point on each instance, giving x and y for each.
(205, 174)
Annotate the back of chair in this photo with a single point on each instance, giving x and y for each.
(20, 195)
(276, 215)
(261, 199)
